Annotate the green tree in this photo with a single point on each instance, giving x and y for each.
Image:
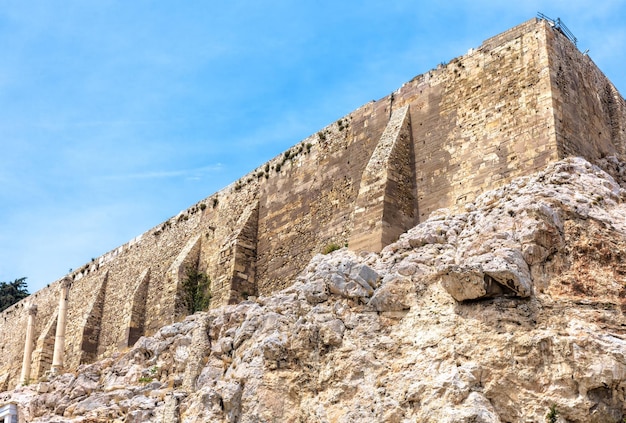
(12, 292)
(196, 290)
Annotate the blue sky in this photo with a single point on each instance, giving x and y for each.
(115, 116)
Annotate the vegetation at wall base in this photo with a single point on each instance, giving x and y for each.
(330, 248)
(196, 290)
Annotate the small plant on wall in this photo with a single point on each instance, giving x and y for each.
(553, 414)
(330, 248)
(196, 290)
(149, 377)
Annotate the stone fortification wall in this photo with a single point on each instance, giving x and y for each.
(590, 114)
(128, 292)
(13, 332)
(386, 205)
(482, 118)
(521, 100)
(310, 202)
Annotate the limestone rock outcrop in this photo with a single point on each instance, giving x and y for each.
(498, 314)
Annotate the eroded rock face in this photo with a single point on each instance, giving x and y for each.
(493, 315)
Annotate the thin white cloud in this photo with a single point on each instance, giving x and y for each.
(196, 173)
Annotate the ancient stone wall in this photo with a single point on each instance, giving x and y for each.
(309, 203)
(507, 108)
(482, 118)
(386, 205)
(13, 332)
(590, 114)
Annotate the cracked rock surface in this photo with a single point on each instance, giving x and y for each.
(496, 314)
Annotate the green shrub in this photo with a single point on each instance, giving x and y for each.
(196, 290)
(330, 248)
(340, 124)
(553, 414)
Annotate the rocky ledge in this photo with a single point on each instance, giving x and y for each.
(512, 311)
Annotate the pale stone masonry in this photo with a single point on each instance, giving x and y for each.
(8, 413)
(523, 99)
(386, 205)
(31, 309)
(59, 337)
